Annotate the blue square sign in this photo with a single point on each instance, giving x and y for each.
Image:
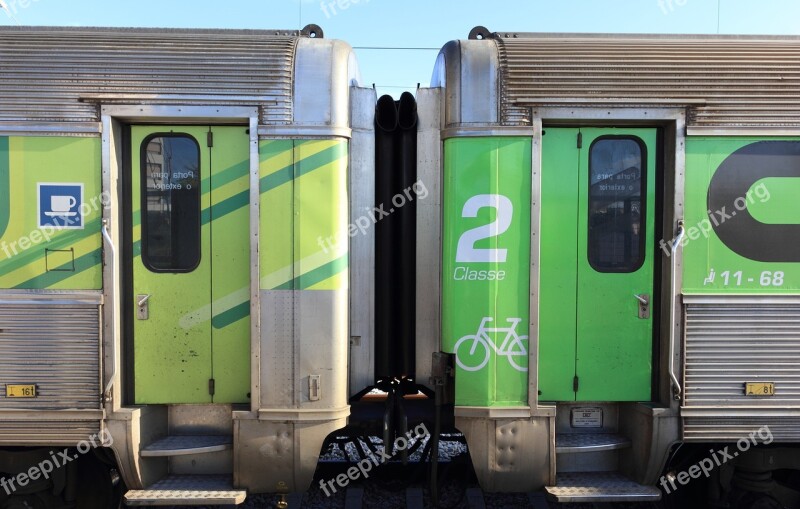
(60, 206)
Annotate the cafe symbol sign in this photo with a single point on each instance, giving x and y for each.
(60, 206)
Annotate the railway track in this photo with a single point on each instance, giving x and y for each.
(397, 485)
(418, 498)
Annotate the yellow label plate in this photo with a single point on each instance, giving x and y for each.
(759, 389)
(20, 391)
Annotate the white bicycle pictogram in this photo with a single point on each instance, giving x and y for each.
(512, 346)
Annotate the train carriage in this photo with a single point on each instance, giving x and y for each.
(218, 250)
(164, 296)
(618, 263)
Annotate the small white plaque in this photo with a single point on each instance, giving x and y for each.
(587, 417)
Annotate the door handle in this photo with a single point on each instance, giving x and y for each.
(142, 307)
(644, 305)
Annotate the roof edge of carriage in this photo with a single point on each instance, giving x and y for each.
(725, 83)
(54, 78)
(311, 30)
(481, 32)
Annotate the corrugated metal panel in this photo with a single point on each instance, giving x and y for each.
(729, 344)
(727, 429)
(39, 432)
(57, 348)
(44, 72)
(741, 82)
(730, 341)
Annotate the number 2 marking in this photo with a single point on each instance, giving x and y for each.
(467, 252)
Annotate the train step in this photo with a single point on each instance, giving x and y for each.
(181, 445)
(590, 442)
(600, 487)
(589, 452)
(188, 490)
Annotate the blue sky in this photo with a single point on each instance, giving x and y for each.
(421, 23)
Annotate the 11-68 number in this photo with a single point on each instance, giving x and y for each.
(768, 278)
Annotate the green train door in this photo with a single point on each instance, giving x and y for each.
(191, 264)
(597, 264)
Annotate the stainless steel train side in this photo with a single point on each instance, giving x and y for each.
(558, 96)
(273, 110)
(602, 250)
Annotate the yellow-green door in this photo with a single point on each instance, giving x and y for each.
(190, 284)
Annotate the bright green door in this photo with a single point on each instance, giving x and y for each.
(597, 252)
(190, 288)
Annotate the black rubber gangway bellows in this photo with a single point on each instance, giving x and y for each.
(395, 238)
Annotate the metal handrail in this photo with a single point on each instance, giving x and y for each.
(113, 378)
(676, 385)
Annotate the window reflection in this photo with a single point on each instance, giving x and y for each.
(171, 203)
(616, 205)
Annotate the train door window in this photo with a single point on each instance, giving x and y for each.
(170, 176)
(616, 204)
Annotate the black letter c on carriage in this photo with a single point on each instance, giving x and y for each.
(742, 233)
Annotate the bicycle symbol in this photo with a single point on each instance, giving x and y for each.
(512, 346)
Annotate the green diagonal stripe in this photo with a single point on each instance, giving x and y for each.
(232, 315)
(272, 181)
(221, 209)
(49, 279)
(64, 239)
(300, 168)
(303, 282)
(276, 179)
(267, 183)
(231, 174)
(320, 159)
(273, 148)
(229, 205)
(313, 277)
(5, 184)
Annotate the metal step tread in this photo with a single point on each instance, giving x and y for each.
(590, 442)
(179, 445)
(188, 490)
(583, 487)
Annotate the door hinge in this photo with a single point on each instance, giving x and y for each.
(575, 384)
(580, 140)
(211, 386)
(210, 139)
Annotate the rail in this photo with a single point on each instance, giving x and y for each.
(113, 378)
(676, 385)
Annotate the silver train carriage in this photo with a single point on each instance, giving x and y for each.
(168, 317)
(614, 225)
(591, 268)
